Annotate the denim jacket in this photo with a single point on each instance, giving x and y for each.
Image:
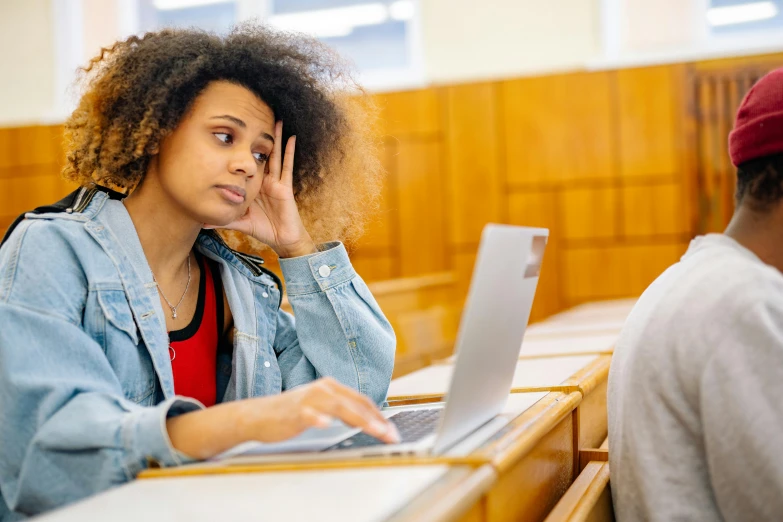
(85, 377)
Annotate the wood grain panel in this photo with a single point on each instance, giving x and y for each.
(410, 113)
(589, 213)
(593, 273)
(534, 208)
(380, 228)
(473, 166)
(649, 131)
(539, 209)
(375, 268)
(654, 210)
(38, 145)
(615, 271)
(421, 207)
(35, 186)
(551, 134)
(530, 489)
(646, 262)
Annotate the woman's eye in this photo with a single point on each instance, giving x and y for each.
(224, 137)
(261, 157)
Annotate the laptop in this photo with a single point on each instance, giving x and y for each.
(488, 343)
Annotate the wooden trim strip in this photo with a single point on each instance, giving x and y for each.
(591, 376)
(217, 468)
(586, 456)
(583, 494)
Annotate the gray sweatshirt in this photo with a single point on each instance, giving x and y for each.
(696, 392)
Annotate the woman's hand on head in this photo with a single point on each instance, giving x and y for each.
(273, 217)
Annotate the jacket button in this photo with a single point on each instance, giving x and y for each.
(265, 295)
(266, 364)
(324, 271)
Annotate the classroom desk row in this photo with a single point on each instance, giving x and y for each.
(557, 408)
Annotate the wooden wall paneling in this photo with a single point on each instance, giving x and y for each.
(7, 147)
(647, 262)
(557, 128)
(725, 173)
(654, 210)
(473, 163)
(462, 262)
(34, 185)
(375, 255)
(539, 209)
(707, 155)
(38, 145)
(765, 62)
(594, 273)
(403, 114)
(588, 213)
(647, 118)
(421, 207)
(375, 268)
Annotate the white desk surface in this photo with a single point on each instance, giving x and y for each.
(554, 346)
(532, 373)
(574, 327)
(358, 494)
(568, 345)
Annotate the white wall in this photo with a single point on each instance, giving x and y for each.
(26, 61)
(475, 39)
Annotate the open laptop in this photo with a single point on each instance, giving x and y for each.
(490, 337)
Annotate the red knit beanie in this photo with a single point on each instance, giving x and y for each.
(758, 131)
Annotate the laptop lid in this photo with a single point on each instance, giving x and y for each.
(492, 327)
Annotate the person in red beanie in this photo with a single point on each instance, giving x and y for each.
(695, 399)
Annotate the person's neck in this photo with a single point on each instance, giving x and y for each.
(166, 234)
(761, 232)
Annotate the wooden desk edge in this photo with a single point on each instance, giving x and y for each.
(529, 428)
(451, 498)
(405, 400)
(591, 376)
(216, 468)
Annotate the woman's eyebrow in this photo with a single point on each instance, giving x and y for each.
(240, 124)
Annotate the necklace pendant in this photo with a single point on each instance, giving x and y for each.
(174, 314)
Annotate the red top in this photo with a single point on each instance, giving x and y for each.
(194, 348)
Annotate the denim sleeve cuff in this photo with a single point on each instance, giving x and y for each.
(147, 438)
(317, 272)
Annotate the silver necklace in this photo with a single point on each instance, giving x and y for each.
(174, 307)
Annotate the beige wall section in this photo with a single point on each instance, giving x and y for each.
(469, 39)
(27, 62)
(100, 26)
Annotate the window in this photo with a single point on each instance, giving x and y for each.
(744, 16)
(216, 15)
(380, 37)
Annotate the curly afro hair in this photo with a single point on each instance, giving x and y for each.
(138, 90)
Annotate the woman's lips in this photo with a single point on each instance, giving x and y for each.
(232, 193)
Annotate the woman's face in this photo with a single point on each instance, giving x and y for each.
(212, 164)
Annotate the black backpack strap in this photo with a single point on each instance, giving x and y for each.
(76, 201)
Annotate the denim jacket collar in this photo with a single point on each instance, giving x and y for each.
(109, 223)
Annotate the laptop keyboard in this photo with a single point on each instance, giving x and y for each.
(412, 425)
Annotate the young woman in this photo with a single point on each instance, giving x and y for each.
(131, 336)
